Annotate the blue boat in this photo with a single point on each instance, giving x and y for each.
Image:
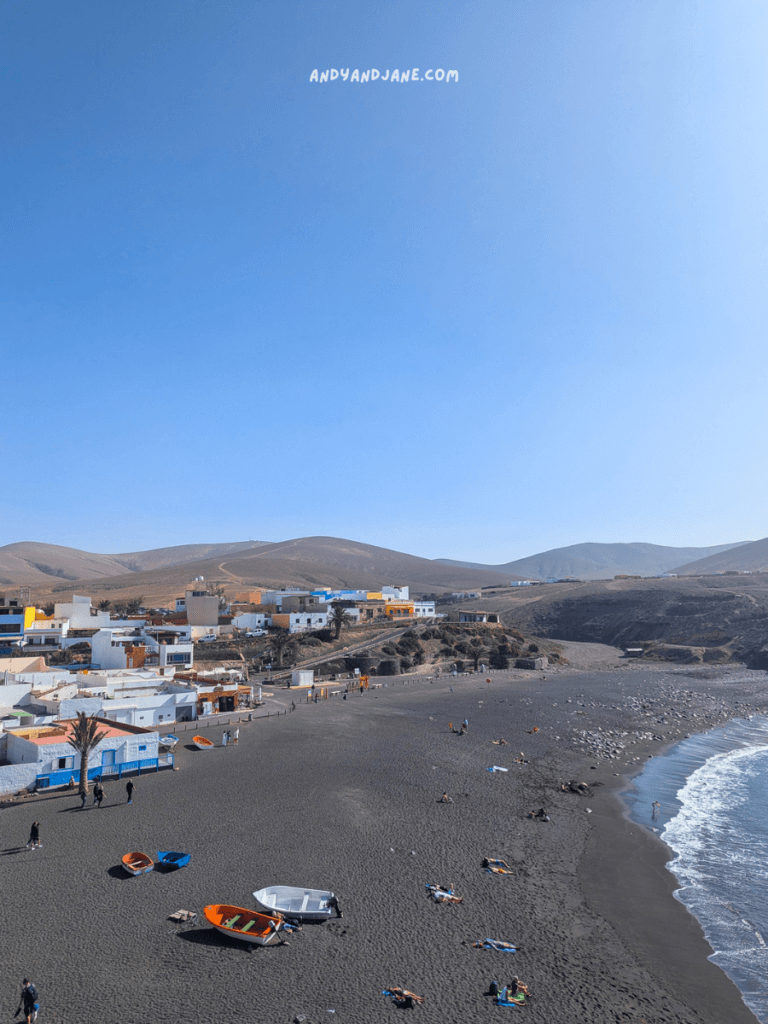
(169, 741)
(173, 859)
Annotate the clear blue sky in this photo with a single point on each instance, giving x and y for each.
(473, 320)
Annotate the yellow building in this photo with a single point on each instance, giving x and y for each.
(399, 609)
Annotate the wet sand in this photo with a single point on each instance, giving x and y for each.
(344, 795)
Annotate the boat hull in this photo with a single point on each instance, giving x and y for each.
(202, 743)
(296, 903)
(245, 925)
(137, 863)
(173, 858)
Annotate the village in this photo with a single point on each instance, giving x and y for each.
(135, 674)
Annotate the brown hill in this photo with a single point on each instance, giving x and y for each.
(751, 557)
(305, 562)
(724, 615)
(33, 564)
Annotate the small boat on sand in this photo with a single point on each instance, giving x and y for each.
(173, 858)
(296, 903)
(169, 741)
(248, 925)
(202, 743)
(137, 863)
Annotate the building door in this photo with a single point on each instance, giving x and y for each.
(107, 758)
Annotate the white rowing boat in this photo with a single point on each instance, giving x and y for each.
(299, 904)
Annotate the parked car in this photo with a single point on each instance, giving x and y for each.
(256, 632)
(209, 638)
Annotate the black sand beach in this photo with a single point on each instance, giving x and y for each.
(344, 795)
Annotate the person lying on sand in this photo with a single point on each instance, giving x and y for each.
(580, 788)
(498, 867)
(445, 799)
(403, 998)
(441, 894)
(496, 944)
(499, 743)
(540, 815)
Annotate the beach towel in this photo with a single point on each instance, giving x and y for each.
(505, 998)
(497, 768)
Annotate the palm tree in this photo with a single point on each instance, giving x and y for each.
(280, 643)
(85, 736)
(339, 618)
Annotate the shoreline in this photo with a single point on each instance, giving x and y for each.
(344, 795)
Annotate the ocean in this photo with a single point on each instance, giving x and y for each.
(713, 792)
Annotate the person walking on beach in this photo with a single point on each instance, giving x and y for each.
(655, 808)
(465, 725)
(28, 1002)
(236, 735)
(129, 788)
(98, 794)
(224, 738)
(83, 797)
(34, 836)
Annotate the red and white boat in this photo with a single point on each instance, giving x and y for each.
(247, 925)
(137, 863)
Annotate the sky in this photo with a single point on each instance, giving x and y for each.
(473, 318)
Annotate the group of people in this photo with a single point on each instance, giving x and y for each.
(507, 993)
(230, 737)
(540, 815)
(98, 793)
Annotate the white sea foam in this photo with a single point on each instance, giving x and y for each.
(715, 799)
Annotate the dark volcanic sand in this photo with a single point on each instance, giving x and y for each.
(338, 795)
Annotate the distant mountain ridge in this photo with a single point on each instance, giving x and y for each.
(305, 562)
(751, 557)
(33, 563)
(162, 573)
(592, 561)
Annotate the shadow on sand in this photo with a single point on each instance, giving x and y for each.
(210, 937)
(118, 871)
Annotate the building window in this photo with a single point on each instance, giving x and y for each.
(65, 762)
(142, 746)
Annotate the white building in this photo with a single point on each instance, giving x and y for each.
(46, 632)
(141, 698)
(80, 613)
(424, 609)
(250, 620)
(162, 647)
(44, 751)
(300, 622)
(395, 593)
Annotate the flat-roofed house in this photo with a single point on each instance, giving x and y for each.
(43, 755)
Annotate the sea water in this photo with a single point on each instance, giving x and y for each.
(713, 791)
